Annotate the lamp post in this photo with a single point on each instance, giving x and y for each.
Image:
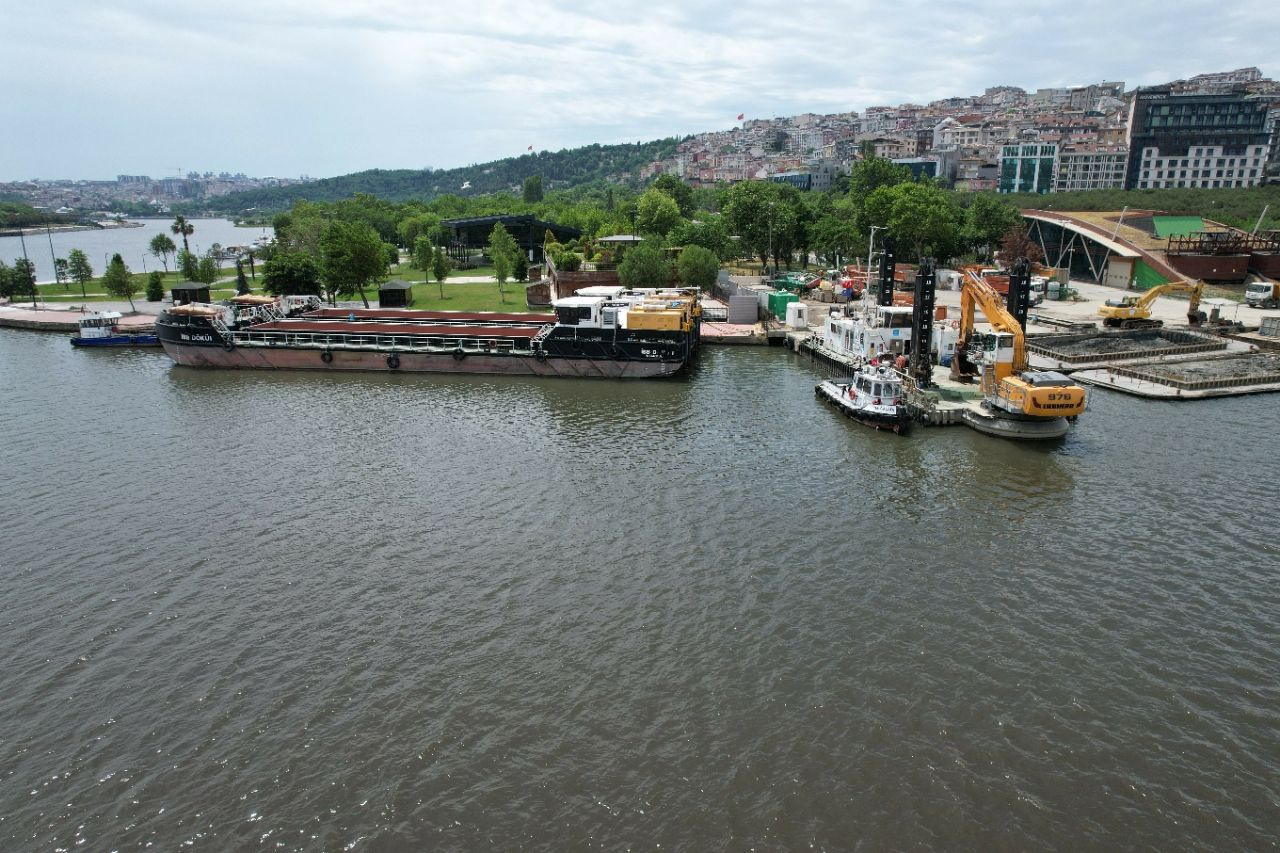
(870, 244)
(770, 231)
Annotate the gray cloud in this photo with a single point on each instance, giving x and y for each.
(326, 87)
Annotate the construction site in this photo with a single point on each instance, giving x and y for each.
(1116, 305)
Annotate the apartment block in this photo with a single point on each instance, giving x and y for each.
(1090, 167)
(1196, 140)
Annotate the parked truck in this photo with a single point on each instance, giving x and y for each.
(1263, 294)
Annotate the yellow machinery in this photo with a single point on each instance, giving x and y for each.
(1134, 312)
(999, 358)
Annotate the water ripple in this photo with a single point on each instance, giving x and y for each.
(403, 612)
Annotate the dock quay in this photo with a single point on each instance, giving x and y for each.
(1189, 379)
(65, 319)
(942, 404)
(1067, 353)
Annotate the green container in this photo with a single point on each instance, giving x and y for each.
(778, 301)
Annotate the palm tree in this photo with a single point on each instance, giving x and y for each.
(182, 226)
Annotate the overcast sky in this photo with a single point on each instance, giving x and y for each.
(95, 88)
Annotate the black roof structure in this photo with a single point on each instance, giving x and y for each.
(526, 228)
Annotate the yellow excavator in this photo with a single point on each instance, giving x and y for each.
(1134, 312)
(1016, 402)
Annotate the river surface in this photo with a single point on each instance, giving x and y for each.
(131, 243)
(250, 610)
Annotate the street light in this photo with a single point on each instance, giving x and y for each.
(870, 244)
(771, 231)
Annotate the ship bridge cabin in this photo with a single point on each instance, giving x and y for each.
(588, 312)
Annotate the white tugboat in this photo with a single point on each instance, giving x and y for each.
(873, 396)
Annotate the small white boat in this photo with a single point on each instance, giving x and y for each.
(873, 396)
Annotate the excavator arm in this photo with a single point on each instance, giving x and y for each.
(977, 295)
(1137, 311)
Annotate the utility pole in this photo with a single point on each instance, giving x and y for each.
(52, 256)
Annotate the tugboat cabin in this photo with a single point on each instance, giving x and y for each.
(99, 324)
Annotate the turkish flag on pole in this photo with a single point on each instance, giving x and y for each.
(741, 116)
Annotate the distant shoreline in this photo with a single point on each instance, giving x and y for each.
(41, 229)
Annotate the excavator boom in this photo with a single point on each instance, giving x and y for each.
(1006, 382)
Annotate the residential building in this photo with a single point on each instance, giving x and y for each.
(1086, 166)
(1196, 140)
(1027, 168)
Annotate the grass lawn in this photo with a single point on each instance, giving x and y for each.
(469, 297)
(408, 273)
(96, 292)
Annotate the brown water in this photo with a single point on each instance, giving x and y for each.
(320, 612)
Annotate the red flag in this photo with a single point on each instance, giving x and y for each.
(741, 116)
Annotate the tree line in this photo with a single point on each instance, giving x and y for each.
(565, 168)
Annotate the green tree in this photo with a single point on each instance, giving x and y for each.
(871, 174)
(747, 209)
(680, 192)
(988, 219)
(502, 251)
(656, 213)
(81, 271)
(62, 272)
(291, 274)
(763, 217)
(6, 281)
(352, 257)
(119, 282)
(189, 264)
(423, 255)
(533, 189)
(419, 225)
(242, 283)
(645, 265)
(182, 226)
(155, 286)
(520, 269)
(440, 266)
(709, 233)
(22, 279)
(920, 215)
(836, 235)
(162, 247)
(207, 270)
(698, 267)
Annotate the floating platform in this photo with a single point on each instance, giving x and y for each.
(1071, 352)
(1192, 379)
(732, 333)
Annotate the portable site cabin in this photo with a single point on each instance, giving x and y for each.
(187, 292)
(395, 294)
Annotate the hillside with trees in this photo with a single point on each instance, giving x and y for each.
(557, 169)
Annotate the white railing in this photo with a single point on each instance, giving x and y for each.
(375, 342)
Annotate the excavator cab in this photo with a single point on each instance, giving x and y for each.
(997, 352)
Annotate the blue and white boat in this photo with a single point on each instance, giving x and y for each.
(102, 329)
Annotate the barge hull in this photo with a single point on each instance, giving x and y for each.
(281, 358)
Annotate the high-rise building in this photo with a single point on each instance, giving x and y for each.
(1196, 140)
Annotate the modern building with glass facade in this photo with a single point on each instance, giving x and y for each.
(1027, 168)
(1196, 140)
